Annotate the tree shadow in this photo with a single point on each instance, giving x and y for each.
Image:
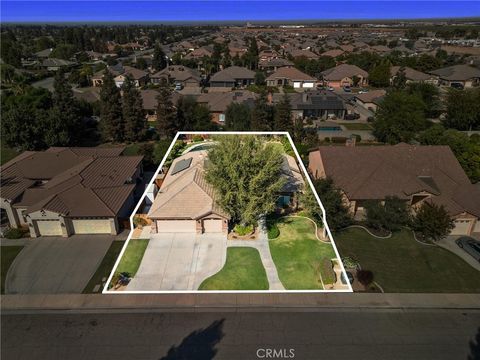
(199, 344)
(475, 347)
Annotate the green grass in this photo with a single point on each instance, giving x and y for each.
(298, 254)
(243, 270)
(400, 264)
(8, 254)
(7, 154)
(356, 126)
(132, 257)
(106, 266)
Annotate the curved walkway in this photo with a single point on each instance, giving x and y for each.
(314, 223)
(368, 231)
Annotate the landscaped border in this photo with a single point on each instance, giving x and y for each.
(305, 173)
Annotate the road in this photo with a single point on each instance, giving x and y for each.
(317, 334)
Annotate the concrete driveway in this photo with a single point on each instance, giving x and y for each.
(179, 261)
(449, 244)
(55, 265)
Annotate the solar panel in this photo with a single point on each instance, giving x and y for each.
(181, 165)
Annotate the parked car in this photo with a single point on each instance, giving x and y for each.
(352, 116)
(457, 85)
(347, 88)
(363, 91)
(178, 86)
(329, 88)
(470, 246)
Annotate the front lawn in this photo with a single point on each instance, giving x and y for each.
(400, 264)
(132, 257)
(243, 270)
(106, 266)
(298, 255)
(356, 126)
(8, 254)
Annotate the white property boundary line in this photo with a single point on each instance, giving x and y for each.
(299, 159)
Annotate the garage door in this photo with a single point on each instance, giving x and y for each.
(49, 228)
(461, 227)
(297, 84)
(178, 226)
(91, 226)
(212, 225)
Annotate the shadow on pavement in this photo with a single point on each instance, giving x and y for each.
(200, 344)
(475, 347)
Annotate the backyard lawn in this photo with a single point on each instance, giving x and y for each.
(400, 264)
(298, 255)
(8, 254)
(243, 270)
(131, 258)
(105, 268)
(356, 126)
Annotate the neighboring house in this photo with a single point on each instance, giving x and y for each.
(333, 53)
(233, 76)
(267, 55)
(178, 74)
(66, 191)
(43, 53)
(416, 174)
(412, 75)
(345, 75)
(150, 102)
(218, 102)
(315, 104)
(371, 99)
(297, 53)
(292, 77)
(187, 203)
(199, 53)
(466, 75)
(274, 64)
(56, 64)
(139, 77)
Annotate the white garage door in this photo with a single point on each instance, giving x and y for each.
(49, 228)
(308, 85)
(461, 227)
(297, 84)
(91, 226)
(212, 225)
(179, 226)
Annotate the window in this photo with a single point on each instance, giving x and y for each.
(222, 118)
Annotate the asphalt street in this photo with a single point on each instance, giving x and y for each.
(318, 334)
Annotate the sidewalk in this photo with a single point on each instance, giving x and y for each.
(233, 302)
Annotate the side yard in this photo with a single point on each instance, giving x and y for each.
(401, 264)
(131, 259)
(299, 256)
(8, 254)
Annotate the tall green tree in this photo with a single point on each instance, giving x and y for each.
(283, 115)
(432, 222)
(400, 80)
(399, 117)
(159, 60)
(390, 215)
(463, 109)
(21, 127)
(262, 114)
(166, 112)
(246, 173)
(133, 112)
(237, 117)
(111, 117)
(379, 76)
(429, 94)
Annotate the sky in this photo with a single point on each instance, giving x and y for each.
(208, 10)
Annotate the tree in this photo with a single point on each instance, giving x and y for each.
(166, 114)
(159, 60)
(111, 119)
(202, 118)
(379, 76)
(390, 215)
(260, 78)
(133, 112)
(399, 117)
(237, 117)
(246, 173)
(400, 80)
(21, 128)
(432, 222)
(141, 63)
(463, 109)
(283, 115)
(338, 215)
(365, 277)
(429, 94)
(262, 114)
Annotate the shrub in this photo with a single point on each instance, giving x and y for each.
(273, 231)
(328, 275)
(327, 139)
(243, 230)
(15, 233)
(365, 277)
(357, 137)
(139, 221)
(197, 138)
(339, 139)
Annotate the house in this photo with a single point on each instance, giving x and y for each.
(315, 104)
(345, 75)
(292, 77)
(274, 64)
(199, 53)
(66, 191)
(416, 174)
(139, 77)
(178, 74)
(267, 55)
(150, 102)
(52, 64)
(115, 70)
(412, 75)
(371, 99)
(466, 75)
(233, 76)
(186, 203)
(297, 53)
(218, 102)
(333, 53)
